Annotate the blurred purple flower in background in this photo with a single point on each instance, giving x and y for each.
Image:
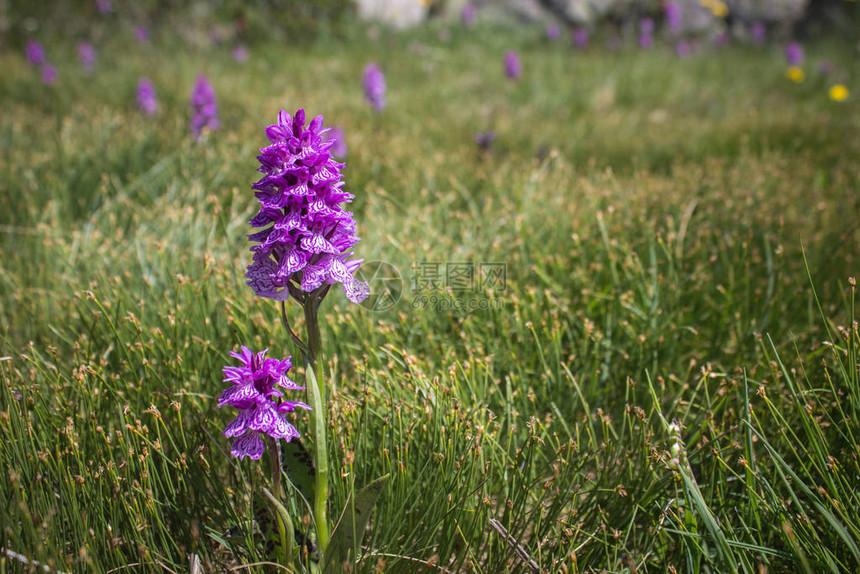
(646, 26)
(87, 55)
(758, 33)
(467, 14)
(825, 67)
(147, 100)
(35, 53)
(552, 32)
(674, 17)
(646, 33)
(513, 66)
(722, 39)
(255, 394)
(141, 33)
(580, 38)
(338, 136)
(204, 107)
(374, 87)
(103, 6)
(485, 139)
(683, 48)
(49, 74)
(794, 53)
(307, 237)
(240, 53)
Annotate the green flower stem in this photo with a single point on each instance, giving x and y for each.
(285, 530)
(316, 388)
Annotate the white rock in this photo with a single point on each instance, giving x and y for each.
(396, 13)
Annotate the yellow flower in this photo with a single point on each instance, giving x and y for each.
(795, 74)
(838, 93)
(719, 9)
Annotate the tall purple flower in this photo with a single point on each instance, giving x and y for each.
(255, 393)
(513, 67)
(147, 99)
(467, 14)
(794, 53)
(674, 17)
(87, 55)
(307, 236)
(35, 53)
(204, 107)
(683, 48)
(646, 26)
(374, 87)
(338, 136)
(758, 33)
(49, 74)
(580, 38)
(240, 53)
(646, 33)
(141, 33)
(552, 32)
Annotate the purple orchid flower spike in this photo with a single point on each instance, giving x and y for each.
(35, 53)
(794, 53)
(87, 55)
(147, 99)
(513, 66)
(204, 108)
(306, 238)
(374, 87)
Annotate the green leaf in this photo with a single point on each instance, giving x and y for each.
(298, 465)
(285, 529)
(346, 538)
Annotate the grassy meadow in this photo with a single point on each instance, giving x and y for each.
(679, 238)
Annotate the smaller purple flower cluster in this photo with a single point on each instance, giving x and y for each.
(374, 87)
(646, 33)
(794, 53)
(467, 14)
(255, 394)
(758, 33)
(87, 55)
(513, 67)
(580, 38)
(35, 54)
(240, 53)
(485, 139)
(147, 100)
(337, 135)
(204, 107)
(674, 17)
(141, 33)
